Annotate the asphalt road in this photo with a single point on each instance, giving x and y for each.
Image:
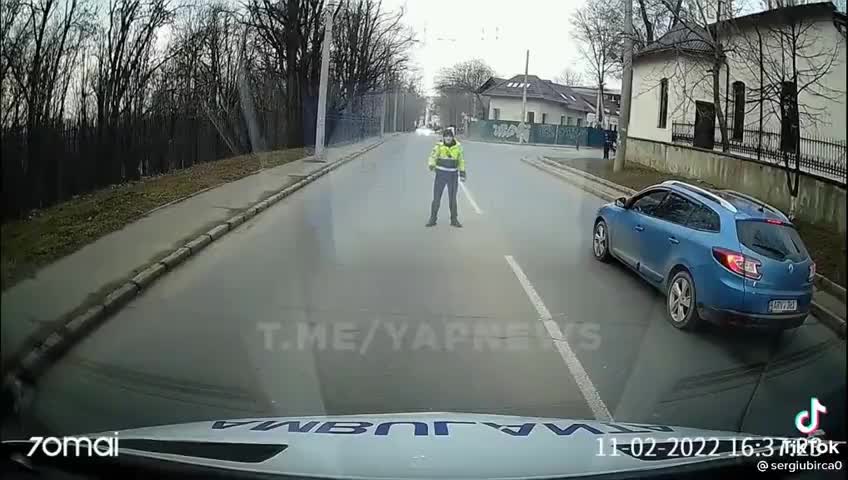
(339, 301)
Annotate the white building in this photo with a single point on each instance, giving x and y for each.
(672, 80)
(547, 102)
(611, 101)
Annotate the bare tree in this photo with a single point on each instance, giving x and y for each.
(43, 38)
(292, 30)
(598, 29)
(463, 80)
(792, 60)
(655, 19)
(701, 37)
(370, 45)
(569, 76)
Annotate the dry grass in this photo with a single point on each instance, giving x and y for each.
(826, 245)
(52, 233)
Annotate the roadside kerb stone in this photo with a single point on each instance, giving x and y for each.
(176, 257)
(120, 296)
(29, 363)
(218, 231)
(602, 189)
(146, 276)
(830, 319)
(199, 243)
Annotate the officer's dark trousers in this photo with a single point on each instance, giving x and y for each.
(449, 179)
(606, 151)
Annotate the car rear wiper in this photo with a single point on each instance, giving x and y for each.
(770, 249)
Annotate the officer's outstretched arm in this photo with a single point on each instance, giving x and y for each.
(461, 163)
(431, 162)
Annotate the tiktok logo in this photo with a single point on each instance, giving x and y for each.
(807, 421)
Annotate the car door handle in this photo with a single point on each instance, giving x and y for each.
(639, 228)
(673, 240)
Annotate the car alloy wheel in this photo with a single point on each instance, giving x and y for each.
(600, 241)
(680, 299)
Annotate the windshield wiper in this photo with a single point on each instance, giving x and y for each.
(770, 249)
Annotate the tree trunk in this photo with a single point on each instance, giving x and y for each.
(725, 144)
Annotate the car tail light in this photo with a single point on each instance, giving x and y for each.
(738, 263)
(812, 271)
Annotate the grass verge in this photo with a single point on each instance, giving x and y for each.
(49, 234)
(826, 245)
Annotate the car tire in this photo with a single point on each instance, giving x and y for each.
(680, 293)
(600, 241)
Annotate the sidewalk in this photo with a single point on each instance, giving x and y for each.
(828, 299)
(68, 286)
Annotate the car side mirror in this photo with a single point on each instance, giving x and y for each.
(621, 202)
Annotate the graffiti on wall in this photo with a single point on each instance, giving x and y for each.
(508, 130)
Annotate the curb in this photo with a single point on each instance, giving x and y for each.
(829, 319)
(44, 347)
(550, 145)
(602, 188)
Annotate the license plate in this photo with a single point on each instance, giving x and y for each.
(778, 306)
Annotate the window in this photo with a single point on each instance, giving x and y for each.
(570, 121)
(579, 122)
(496, 113)
(544, 118)
(774, 241)
(675, 209)
(662, 122)
(704, 218)
(562, 119)
(648, 202)
(738, 110)
(531, 117)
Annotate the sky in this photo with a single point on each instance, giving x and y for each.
(497, 32)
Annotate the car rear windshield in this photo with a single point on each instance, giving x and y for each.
(777, 241)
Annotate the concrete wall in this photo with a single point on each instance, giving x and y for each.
(818, 200)
(511, 110)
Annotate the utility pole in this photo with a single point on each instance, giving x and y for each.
(626, 87)
(524, 94)
(320, 123)
(394, 120)
(383, 113)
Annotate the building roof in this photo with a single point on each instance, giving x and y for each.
(590, 90)
(695, 39)
(691, 39)
(537, 89)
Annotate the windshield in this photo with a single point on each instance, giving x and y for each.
(217, 210)
(772, 240)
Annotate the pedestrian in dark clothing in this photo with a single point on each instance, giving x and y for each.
(607, 144)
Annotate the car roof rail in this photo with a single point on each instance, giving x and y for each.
(712, 196)
(755, 201)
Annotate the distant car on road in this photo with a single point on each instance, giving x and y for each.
(718, 255)
(423, 131)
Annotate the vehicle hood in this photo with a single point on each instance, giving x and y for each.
(416, 445)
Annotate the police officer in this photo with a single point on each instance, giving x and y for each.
(449, 164)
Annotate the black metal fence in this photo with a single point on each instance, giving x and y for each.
(818, 156)
(350, 128)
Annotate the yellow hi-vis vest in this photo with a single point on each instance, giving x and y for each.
(447, 158)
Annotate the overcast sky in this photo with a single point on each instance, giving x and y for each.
(498, 32)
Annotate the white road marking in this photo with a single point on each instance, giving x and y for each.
(470, 198)
(584, 383)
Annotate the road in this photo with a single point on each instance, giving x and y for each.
(339, 301)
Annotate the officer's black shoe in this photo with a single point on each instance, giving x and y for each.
(455, 223)
(431, 223)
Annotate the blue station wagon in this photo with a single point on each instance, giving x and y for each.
(718, 255)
